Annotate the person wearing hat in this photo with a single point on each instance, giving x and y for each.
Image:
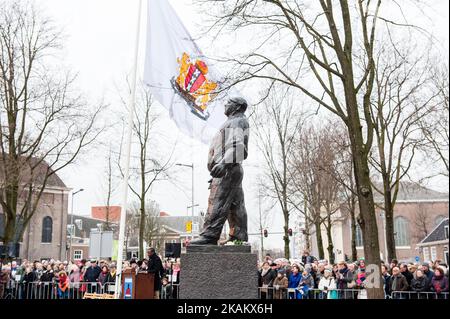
(427, 272)
(306, 283)
(280, 285)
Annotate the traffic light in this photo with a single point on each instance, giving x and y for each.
(266, 233)
(290, 231)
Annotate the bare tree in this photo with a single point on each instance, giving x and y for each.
(307, 182)
(350, 199)
(110, 185)
(435, 128)
(153, 228)
(44, 123)
(150, 165)
(324, 49)
(132, 223)
(421, 222)
(331, 189)
(400, 104)
(276, 125)
(314, 166)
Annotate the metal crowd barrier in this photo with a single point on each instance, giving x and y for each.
(418, 295)
(294, 293)
(50, 290)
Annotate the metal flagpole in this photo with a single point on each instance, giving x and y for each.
(123, 212)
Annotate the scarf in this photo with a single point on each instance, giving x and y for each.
(264, 272)
(63, 283)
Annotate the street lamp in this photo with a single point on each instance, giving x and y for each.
(192, 196)
(71, 222)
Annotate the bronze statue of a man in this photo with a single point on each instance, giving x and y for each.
(228, 150)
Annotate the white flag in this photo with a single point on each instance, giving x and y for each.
(180, 77)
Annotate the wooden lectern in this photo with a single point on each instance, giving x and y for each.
(137, 286)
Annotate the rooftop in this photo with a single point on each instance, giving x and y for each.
(437, 234)
(414, 192)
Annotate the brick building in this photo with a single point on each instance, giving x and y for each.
(435, 244)
(82, 227)
(417, 212)
(45, 235)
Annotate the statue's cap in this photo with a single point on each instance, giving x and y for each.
(239, 101)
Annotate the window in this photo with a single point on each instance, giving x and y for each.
(359, 238)
(446, 232)
(77, 254)
(47, 229)
(401, 229)
(446, 255)
(433, 253)
(426, 254)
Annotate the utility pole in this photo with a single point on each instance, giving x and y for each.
(72, 226)
(192, 195)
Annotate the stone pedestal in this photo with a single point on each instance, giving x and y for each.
(218, 272)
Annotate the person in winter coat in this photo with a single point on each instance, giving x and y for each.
(319, 274)
(46, 282)
(75, 279)
(345, 280)
(63, 285)
(307, 258)
(306, 283)
(398, 283)
(427, 272)
(439, 282)
(405, 272)
(294, 280)
(386, 281)
(360, 274)
(4, 279)
(420, 284)
(91, 276)
(166, 289)
(155, 267)
(28, 281)
(266, 277)
(103, 276)
(280, 285)
(327, 284)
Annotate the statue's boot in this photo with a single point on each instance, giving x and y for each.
(202, 240)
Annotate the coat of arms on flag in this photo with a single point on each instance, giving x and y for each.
(181, 78)
(194, 86)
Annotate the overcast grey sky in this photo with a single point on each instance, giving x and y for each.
(99, 46)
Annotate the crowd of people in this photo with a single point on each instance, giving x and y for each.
(54, 279)
(278, 279)
(313, 278)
